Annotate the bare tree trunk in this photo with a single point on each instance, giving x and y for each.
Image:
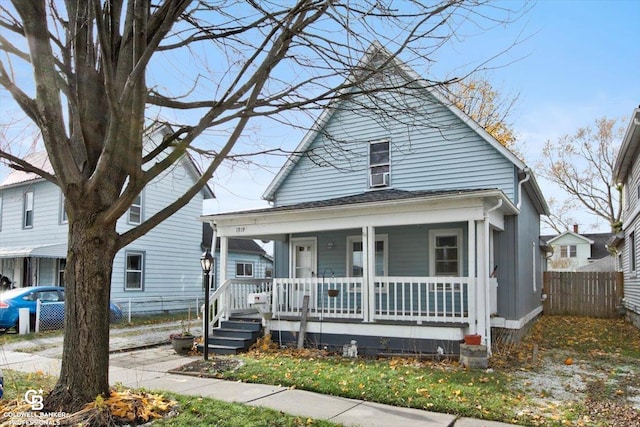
(85, 359)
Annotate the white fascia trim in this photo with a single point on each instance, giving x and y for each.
(436, 208)
(571, 233)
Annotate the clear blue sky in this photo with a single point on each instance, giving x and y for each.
(580, 61)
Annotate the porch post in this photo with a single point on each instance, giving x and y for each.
(364, 297)
(224, 256)
(483, 278)
(473, 303)
(370, 253)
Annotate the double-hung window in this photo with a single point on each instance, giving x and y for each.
(379, 164)
(568, 251)
(134, 273)
(355, 261)
(244, 269)
(63, 213)
(135, 211)
(446, 252)
(27, 210)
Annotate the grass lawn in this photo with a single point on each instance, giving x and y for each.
(612, 347)
(190, 411)
(567, 371)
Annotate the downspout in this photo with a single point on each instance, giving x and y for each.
(485, 278)
(527, 177)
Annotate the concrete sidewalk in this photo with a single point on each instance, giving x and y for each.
(149, 368)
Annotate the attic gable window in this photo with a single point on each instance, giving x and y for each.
(379, 164)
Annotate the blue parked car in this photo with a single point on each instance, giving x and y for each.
(11, 301)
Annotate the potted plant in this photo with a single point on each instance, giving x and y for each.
(182, 342)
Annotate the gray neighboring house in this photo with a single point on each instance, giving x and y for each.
(163, 263)
(404, 235)
(627, 172)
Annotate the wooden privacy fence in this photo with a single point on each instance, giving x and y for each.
(594, 294)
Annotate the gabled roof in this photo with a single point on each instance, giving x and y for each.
(411, 76)
(628, 149)
(552, 239)
(598, 242)
(18, 177)
(40, 159)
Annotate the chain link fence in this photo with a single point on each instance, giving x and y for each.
(146, 307)
(50, 315)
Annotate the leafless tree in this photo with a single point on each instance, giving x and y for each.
(581, 165)
(103, 71)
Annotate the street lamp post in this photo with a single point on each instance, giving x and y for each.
(206, 261)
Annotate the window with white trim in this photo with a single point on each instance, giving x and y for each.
(379, 164)
(355, 256)
(134, 273)
(63, 213)
(27, 210)
(0, 212)
(568, 251)
(62, 264)
(135, 211)
(445, 249)
(244, 269)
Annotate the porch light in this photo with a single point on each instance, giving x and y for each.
(330, 245)
(206, 261)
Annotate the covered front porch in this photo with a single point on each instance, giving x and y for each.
(412, 265)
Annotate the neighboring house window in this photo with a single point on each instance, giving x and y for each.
(632, 250)
(379, 164)
(27, 210)
(355, 261)
(446, 252)
(568, 251)
(135, 210)
(0, 212)
(268, 272)
(63, 213)
(244, 269)
(62, 264)
(134, 274)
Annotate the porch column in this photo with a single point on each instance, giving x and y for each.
(473, 303)
(224, 256)
(482, 288)
(368, 273)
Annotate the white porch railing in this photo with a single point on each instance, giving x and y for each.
(232, 296)
(425, 299)
(331, 297)
(415, 299)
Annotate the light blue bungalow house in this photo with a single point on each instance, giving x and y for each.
(402, 223)
(162, 266)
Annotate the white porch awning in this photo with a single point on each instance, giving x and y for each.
(37, 251)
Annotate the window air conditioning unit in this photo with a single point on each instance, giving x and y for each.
(379, 179)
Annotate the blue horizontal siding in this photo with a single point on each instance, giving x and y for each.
(432, 149)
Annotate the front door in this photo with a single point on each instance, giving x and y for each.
(304, 267)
